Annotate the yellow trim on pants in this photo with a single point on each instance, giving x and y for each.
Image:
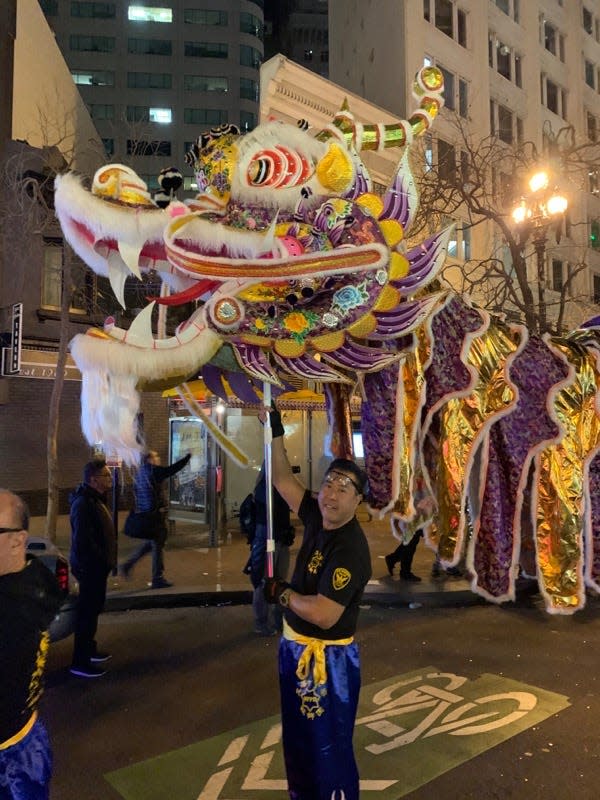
(313, 648)
(21, 734)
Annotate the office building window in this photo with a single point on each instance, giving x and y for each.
(205, 83)
(592, 127)
(589, 70)
(552, 39)
(196, 16)
(596, 289)
(248, 89)
(557, 274)
(137, 113)
(149, 80)
(138, 147)
(588, 21)
(446, 162)
(247, 120)
(151, 181)
(93, 10)
(93, 77)
(595, 234)
(250, 56)
(447, 18)
(205, 50)
(510, 8)
(504, 60)
(149, 47)
(49, 7)
(505, 124)
(139, 13)
(456, 89)
(251, 24)
(553, 96)
(93, 44)
(449, 88)
(204, 116)
(52, 273)
(109, 146)
(101, 111)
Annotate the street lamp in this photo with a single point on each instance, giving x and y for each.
(534, 214)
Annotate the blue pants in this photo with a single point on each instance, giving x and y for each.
(26, 767)
(318, 724)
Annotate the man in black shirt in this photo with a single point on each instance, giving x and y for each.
(29, 599)
(319, 667)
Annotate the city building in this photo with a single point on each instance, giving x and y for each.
(154, 76)
(521, 71)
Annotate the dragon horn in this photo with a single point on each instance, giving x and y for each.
(427, 89)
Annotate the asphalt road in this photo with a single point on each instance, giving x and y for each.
(480, 702)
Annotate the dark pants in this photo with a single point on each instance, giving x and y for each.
(405, 553)
(92, 594)
(154, 546)
(281, 563)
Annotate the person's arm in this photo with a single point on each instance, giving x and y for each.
(314, 608)
(160, 474)
(284, 480)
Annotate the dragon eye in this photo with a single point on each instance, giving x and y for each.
(278, 166)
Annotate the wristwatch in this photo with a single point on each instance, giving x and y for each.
(284, 597)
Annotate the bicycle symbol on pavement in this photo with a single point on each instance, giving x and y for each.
(466, 717)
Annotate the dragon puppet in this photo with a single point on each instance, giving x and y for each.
(473, 430)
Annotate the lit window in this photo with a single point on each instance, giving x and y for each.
(161, 115)
(149, 14)
(94, 77)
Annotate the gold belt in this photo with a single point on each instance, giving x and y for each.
(313, 649)
(21, 734)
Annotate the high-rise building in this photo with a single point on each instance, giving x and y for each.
(156, 75)
(519, 71)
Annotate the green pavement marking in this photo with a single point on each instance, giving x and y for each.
(409, 729)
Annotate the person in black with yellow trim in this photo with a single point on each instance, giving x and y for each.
(319, 666)
(29, 599)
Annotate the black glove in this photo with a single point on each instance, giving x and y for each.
(277, 428)
(273, 588)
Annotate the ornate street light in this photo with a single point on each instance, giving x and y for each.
(536, 211)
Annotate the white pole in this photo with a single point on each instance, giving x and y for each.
(268, 438)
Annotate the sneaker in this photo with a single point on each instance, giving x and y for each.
(390, 563)
(124, 572)
(410, 576)
(161, 583)
(87, 672)
(100, 657)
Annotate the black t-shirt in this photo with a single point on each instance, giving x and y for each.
(29, 600)
(335, 563)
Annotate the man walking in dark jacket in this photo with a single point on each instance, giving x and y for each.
(29, 599)
(93, 556)
(149, 497)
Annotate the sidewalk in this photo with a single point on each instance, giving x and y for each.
(204, 575)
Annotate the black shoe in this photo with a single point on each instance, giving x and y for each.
(410, 576)
(390, 563)
(100, 657)
(454, 572)
(124, 572)
(161, 583)
(87, 672)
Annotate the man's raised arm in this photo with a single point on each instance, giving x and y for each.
(284, 480)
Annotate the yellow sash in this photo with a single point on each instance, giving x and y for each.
(313, 649)
(21, 734)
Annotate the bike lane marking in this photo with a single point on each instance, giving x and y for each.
(409, 730)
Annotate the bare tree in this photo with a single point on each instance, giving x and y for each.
(479, 181)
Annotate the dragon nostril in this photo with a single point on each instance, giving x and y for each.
(307, 292)
(271, 311)
(292, 299)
